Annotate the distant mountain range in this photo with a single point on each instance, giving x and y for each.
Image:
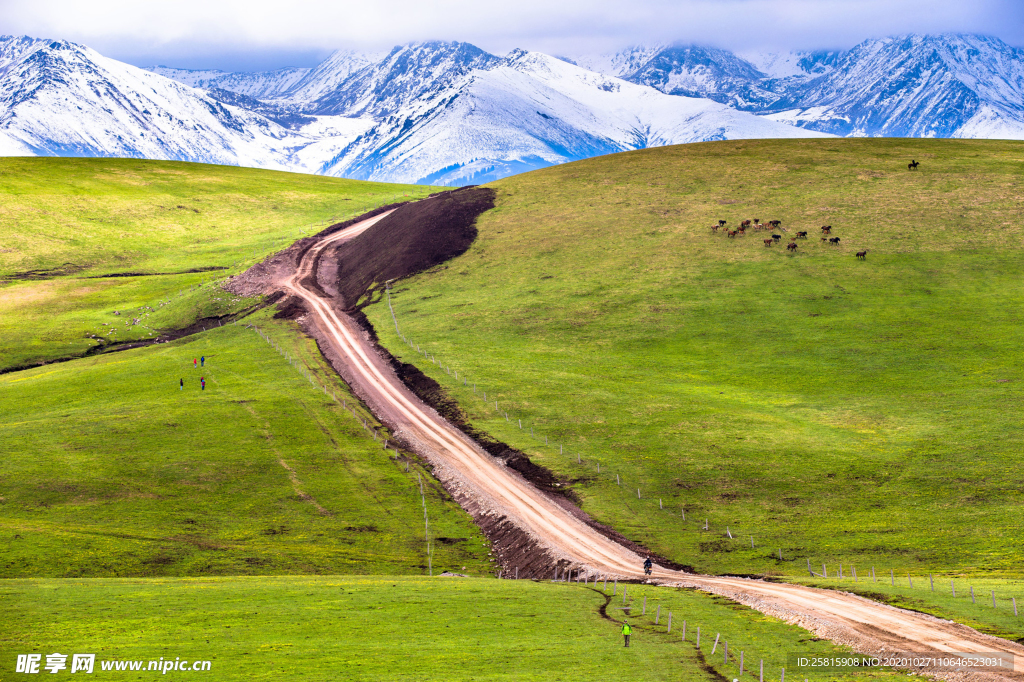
(450, 113)
(950, 85)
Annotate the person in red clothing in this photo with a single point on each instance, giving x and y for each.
(194, 362)
(202, 382)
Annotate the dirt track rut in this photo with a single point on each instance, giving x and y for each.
(481, 482)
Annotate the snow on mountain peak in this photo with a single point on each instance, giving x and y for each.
(451, 113)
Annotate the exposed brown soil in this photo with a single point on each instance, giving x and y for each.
(414, 238)
(104, 346)
(212, 268)
(68, 269)
(49, 273)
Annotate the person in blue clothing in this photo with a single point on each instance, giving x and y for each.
(181, 384)
(202, 383)
(202, 361)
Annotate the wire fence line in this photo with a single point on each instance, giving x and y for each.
(700, 523)
(736, 662)
(850, 573)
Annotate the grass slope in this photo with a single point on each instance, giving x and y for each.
(109, 468)
(64, 223)
(399, 628)
(832, 408)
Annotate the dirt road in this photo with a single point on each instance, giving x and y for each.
(482, 483)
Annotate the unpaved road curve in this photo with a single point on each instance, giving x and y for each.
(867, 626)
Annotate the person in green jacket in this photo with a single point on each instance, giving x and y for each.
(626, 632)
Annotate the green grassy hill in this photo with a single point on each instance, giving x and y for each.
(107, 467)
(373, 628)
(597, 306)
(67, 224)
(110, 468)
(831, 408)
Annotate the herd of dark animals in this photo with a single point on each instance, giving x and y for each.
(775, 238)
(756, 224)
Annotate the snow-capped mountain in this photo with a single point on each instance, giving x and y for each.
(410, 76)
(266, 85)
(527, 111)
(619, 64)
(450, 113)
(62, 99)
(914, 86)
(291, 84)
(950, 85)
(695, 71)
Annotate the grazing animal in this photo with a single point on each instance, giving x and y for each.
(731, 233)
(913, 165)
(834, 241)
(721, 223)
(791, 246)
(769, 242)
(776, 237)
(862, 254)
(775, 223)
(826, 229)
(745, 223)
(802, 235)
(824, 239)
(757, 220)
(714, 228)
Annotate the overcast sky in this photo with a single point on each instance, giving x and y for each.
(250, 35)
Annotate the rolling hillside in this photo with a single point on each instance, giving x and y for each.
(821, 406)
(113, 467)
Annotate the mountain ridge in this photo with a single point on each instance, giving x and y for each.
(448, 112)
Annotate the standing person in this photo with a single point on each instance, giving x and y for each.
(202, 361)
(202, 383)
(181, 384)
(626, 632)
(193, 362)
